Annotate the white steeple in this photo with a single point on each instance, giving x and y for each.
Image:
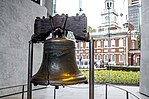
(109, 16)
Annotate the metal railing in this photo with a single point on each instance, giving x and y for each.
(127, 92)
(19, 92)
(106, 92)
(23, 87)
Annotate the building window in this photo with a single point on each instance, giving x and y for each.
(113, 58)
(98, 44)
(85, 63)
(121, 58)
(105, 43)
(107, 4)
(81, 44)
(87, 45)
(112, 43)
(98, 57)
(76, 45)
(121, 44)
(81, 63)
(110, 4)
(106, 58)
(86, 56)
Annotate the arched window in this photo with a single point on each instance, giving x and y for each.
(108, 5)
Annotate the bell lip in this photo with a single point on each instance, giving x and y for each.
(68, 83)
(59, 82)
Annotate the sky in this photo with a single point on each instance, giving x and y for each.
(91, 8)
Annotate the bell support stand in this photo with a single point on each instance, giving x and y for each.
(30, 66)
(91, 69)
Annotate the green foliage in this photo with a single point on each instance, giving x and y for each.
(115, 77)
(139, 40)
(90, 29)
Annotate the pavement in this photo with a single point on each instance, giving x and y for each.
(81, 91)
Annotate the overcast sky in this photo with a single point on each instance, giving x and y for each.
(92, 9)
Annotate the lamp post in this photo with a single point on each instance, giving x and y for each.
(80, 56)
(54, 7)
(109, 56)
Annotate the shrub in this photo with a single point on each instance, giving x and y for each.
(116, 77)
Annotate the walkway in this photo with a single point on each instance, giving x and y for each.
(81, 92)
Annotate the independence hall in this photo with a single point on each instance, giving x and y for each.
(121, 47)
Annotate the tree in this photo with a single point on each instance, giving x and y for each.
(90, 29)
(139, 40)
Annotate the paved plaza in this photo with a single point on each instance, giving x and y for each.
(81, 91)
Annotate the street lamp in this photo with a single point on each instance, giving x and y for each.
(108, 65)
(54, 7)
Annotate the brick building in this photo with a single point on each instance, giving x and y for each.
(123, 49)
(114, 42)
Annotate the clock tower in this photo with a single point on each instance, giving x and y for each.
(109, 17)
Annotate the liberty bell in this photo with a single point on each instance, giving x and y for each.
(58, 66)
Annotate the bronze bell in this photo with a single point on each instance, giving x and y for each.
(58, 66)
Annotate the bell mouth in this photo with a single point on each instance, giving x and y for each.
(59, 82)
(58, 67)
